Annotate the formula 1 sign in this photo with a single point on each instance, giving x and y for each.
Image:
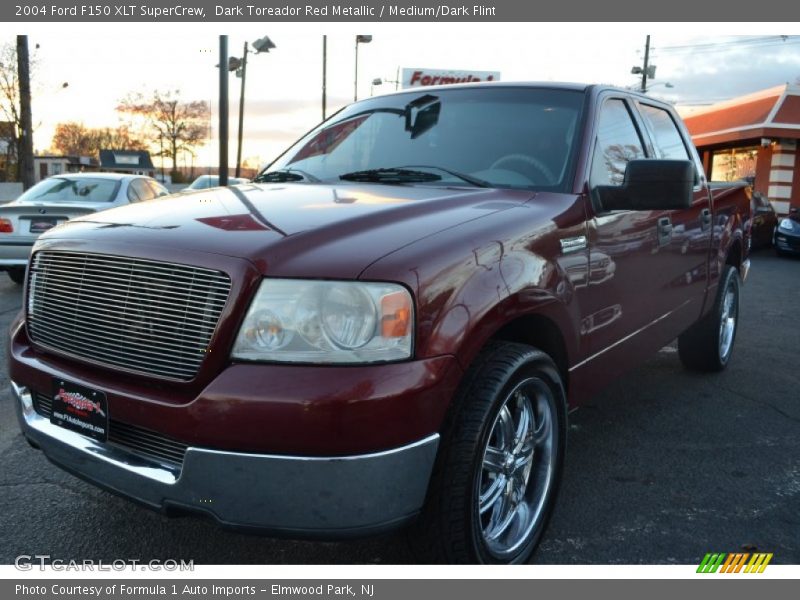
(422, 77)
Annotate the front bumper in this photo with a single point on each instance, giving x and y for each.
(14, 254)
(300, 496)
(787, 242)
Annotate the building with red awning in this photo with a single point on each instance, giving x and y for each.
(753, 137)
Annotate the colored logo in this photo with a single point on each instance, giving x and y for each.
(80, 402)
(721, 562)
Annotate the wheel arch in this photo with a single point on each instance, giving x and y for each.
(735, 256)
(541, 332)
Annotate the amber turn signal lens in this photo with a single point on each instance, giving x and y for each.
(395, 315)
(6, 226)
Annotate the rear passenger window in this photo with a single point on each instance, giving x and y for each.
(617, 143)
(141, 189)
(156, 189)
(132, 196)
(668, 141)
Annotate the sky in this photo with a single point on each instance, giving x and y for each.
(102, 63)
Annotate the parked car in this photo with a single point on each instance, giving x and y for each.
(57, 199)
(765, 221)
(787, 235)
(208, 181)
(391, 325)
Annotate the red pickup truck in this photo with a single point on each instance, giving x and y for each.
(390, 325)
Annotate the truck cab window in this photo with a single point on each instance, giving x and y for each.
(668, 141)
(617, 143)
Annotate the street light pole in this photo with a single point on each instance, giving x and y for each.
(161, 156)
(241, 114)
(324, 73)
(360, 39)
(263, 44)
(355, 80)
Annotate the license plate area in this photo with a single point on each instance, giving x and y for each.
(42, 224)
(80, 409)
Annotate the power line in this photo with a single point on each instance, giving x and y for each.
(756, 42)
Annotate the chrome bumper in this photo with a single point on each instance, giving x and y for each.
(15, 254)
(14, 262)
(304, 496)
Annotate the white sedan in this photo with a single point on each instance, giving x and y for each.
(58, 199)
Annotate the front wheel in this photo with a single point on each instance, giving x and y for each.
(708, 344)
(500, 461)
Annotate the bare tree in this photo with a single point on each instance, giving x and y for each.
(76, 139)
(9, 109)
(169, 122)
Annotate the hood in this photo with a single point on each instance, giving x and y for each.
(296, 229)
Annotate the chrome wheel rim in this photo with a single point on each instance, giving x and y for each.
(516, 473)
(727, 323)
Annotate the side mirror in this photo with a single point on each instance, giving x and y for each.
(650, 184)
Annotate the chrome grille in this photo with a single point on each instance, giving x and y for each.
(137, 315)
(137, 440)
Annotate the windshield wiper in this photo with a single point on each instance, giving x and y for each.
(285, 176)
(391, 176)
(463, 176)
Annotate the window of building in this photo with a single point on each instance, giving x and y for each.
(734, 164)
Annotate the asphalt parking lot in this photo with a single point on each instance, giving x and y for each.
(662, 467)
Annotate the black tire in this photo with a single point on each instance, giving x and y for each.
(504, 380)
(17, 275)
(708, 344)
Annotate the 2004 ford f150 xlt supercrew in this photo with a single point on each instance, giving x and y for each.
(389, 326)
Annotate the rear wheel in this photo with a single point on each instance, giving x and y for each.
(17, 275)
(708, 344)
(500, 462)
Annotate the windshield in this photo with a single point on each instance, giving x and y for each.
(208, 181)
(203, 182)
(64, 189)
(504, 137)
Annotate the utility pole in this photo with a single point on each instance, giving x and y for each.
(223, 110)
(647, 70)
(25, 158)
(646, 65)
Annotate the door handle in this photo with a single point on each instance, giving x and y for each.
(664, 231)
(705, 219)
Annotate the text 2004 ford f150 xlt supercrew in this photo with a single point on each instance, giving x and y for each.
(390, 325)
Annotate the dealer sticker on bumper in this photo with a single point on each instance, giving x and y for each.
(80, 409)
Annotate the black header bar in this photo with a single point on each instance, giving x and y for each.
(225, 11)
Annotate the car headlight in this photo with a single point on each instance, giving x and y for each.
(294, 320)
(786, 225)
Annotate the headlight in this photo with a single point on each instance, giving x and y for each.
(786, 225)
(294, 320)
